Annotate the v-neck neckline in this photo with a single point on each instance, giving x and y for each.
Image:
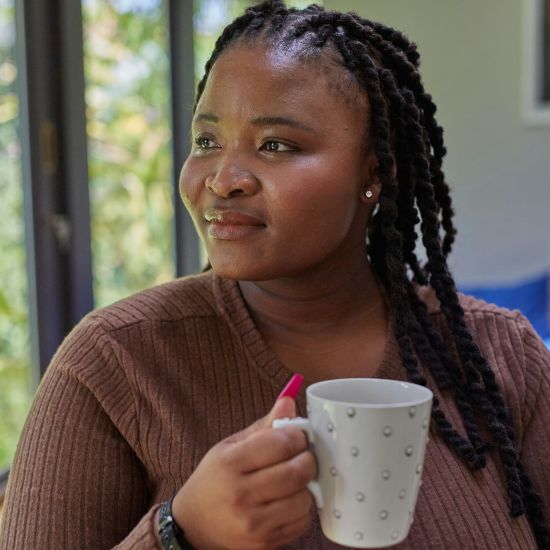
(232, 306)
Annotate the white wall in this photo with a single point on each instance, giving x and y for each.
(498, 167)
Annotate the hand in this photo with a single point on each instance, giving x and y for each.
(249, 491)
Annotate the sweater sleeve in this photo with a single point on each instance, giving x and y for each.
(76, 481)
(535, 449)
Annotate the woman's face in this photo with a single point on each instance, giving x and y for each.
(277, 169)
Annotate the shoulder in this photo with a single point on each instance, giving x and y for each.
(191, 296)
(506, 338)
(488, 322)
(132, 319)
(470, 304)
(493, 327)
(131, 340)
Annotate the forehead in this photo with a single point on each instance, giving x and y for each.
(280, 77)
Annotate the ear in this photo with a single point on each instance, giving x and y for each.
(371, 180)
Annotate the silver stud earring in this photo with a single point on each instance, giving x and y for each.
(368, 194)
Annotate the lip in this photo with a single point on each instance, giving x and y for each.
(232, 225)
(231, 217)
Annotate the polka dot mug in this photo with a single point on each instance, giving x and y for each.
(369, 437)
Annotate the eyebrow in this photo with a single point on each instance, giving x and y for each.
(281, 121)
(261, 121)
(207, 117)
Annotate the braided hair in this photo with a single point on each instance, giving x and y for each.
(408, 143)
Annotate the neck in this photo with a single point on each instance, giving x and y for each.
(315, 304)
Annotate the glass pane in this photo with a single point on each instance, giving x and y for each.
(15, 381)
(127, 95)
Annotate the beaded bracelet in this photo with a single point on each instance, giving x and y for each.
(171, 536)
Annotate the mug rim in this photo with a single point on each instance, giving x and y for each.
(425, 398)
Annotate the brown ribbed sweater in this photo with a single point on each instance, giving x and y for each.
(139, 391)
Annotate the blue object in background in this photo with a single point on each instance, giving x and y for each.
(530, 297)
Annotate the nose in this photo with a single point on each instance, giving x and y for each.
(231, 180)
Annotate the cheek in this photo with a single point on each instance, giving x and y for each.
(324, 197)
(190, 184)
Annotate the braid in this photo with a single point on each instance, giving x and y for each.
(435, 358)
(491, 405)
(443, 376)
(396, 38)
(409, 147)
(403, 58)
(450, 366)
(406, 222)
(394, 262)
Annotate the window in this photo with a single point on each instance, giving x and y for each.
(128, 125)
(536, 76)
(16, 385)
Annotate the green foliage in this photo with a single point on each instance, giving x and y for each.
(15, 383)
(127, 95)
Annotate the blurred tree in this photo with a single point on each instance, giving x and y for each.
(127, 95)
(15, 380)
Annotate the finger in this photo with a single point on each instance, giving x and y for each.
(284, 478)
(289, 532)
(287, 510)
(266, 448)
(283, 408)
(262, 530)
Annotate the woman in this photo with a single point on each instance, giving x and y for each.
(311, 130)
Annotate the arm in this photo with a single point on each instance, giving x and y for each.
(76, 482)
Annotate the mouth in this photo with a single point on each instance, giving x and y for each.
(232, 225)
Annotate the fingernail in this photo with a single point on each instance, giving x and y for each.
(292, 388)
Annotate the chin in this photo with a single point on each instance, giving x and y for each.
(235, 263)
(256, 272)
(251, 265)
(235, 271)
(249, 270)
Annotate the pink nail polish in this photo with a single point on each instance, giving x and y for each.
(292, 388)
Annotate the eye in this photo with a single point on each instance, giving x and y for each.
(276, 146)
(204, 143)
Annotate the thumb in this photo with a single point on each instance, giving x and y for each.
(283, 408)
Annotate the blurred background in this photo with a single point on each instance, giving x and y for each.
(95, 101)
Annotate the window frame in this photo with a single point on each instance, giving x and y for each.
(535, 111)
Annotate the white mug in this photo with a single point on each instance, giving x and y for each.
(369, 437)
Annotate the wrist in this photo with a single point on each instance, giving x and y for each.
(186, 514)
(170, 533)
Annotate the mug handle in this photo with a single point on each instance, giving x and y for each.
(305, 425)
